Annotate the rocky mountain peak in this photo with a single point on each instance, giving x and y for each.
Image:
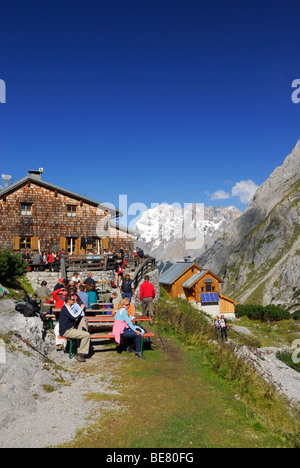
(259, 254)
(163, 232)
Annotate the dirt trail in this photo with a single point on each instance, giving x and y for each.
(170, 400)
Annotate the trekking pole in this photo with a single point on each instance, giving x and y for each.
(34, 349)
(162, 341)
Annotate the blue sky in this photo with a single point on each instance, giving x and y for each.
(162, 100)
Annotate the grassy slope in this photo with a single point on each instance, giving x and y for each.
(187, 397)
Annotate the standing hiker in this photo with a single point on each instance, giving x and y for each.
(147, 296)
(126, 288)
(224, 328)
(217, 326)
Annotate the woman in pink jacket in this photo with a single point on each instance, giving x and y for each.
(123, 327)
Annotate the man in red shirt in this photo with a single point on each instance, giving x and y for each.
(147, 295)
(59, 297)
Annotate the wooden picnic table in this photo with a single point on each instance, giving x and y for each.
(107, 322)
(110, 319)
(104, 307)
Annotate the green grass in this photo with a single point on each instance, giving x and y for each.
(17, 288)
(173, 400)
(276, 334)
(195, 395)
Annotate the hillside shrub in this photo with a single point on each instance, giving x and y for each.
(296, 315)
(268, 313)
(286, 357)
(11, 265)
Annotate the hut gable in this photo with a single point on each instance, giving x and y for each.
(174, 278)
(202, 282)
(190, 281)
(37, 215)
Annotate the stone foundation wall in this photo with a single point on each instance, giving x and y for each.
(36, 277)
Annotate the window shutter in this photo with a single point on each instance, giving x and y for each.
(104, 243)
(62, 243)
(35, 243)
(16, 243)
(81, 250)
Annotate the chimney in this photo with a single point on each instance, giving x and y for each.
(37, 174)
(187, 259)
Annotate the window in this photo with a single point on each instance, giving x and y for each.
(71, 211)
(26, 209)
(96, 244)
(25, 243)
(71, 245)
(208, 288)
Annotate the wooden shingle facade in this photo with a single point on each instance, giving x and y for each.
(36, 215)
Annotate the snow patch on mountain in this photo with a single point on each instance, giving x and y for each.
(170, 232)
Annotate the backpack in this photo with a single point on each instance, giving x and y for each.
(28, 309)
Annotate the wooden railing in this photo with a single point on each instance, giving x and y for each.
(84, 263)
(149, 264)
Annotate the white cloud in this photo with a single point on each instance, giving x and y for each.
(244, 190)
(220, 195)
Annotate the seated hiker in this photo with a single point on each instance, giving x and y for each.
(43, 291)
(108, 297)
(70, 316)
(123, 327)
(92, 294)
(61, 283)
(76, 278)
(83, 296)
(37, 258)
(130, 310)
(59, 297)
(90, 280)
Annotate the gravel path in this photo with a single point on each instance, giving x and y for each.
(30, 415)
(56, 418)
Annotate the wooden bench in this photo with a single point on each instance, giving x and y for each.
(98, 338)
